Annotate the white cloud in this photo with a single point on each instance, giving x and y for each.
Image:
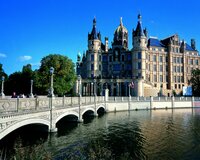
(25, 58)
(2, 55)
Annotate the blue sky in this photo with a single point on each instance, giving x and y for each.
(32, 29)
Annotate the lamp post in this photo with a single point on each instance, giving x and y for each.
(51, 89)
(2, 87)
(79, 85)
(95, 87)
(31, 94)
(79, 97)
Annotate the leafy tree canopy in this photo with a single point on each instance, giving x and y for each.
(64, 74)
(195, 80)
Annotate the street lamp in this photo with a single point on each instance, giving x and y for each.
(2, 87)
(51, 89)
(95, 89)
(79, 96)
(79, 85)
(31, 94)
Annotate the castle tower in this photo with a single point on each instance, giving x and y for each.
(139, 42)
(120, 37)
(94, 52)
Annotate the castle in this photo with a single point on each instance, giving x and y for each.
(152, 67)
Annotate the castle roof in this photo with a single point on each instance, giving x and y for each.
(155, 42)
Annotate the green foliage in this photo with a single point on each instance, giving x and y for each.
(195, 80)
(35, 152)
(64, 74)
(19, 82)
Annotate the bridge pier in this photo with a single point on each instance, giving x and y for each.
(53, 128)
(80, 120)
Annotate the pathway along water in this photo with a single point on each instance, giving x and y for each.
(157, 134)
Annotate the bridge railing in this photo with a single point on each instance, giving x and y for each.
(121, 99)
(16, 105)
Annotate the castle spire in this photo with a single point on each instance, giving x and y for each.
(139, 31)
(121, 23)
(139, 18)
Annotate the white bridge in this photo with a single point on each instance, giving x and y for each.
(19, 112)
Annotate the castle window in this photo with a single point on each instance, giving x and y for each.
(161, 59)
(178, 79)
(122, 66)
(117, 55)
(92, 57)
(166, 68)
(161, 78)
(139, 65)
(92, 66)
(139, 55)
(181, 68)
(166, 78)
(99, 57)
(196, 62)
(100, 67)
(129, 57)
(122, 58)
(181, 60)
(174, 59)
(105, 59)
(154, 68)
(116, 67)
(182, 79)
(166, 59)
(178, 69)
(110, 58)
(191, 61)
(161, 68)
(154, 58)
(155, 78)
(128, 67)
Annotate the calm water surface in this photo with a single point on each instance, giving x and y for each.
(158, 134)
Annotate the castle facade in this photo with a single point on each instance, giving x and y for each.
(152, 67)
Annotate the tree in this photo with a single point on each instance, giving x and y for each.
(195, 80)
(13, 84)
(19, 82)
(64, 74)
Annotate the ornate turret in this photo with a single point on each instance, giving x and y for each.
(139, 31)
(139, 35)
(94, 35)
(94, 38)
(121, 36)
(139, 51)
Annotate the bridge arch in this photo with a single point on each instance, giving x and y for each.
(101, 106)
(66, 114)
(101, 109)
(86, 110)
(22, 123)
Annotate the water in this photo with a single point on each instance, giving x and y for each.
(160, 134)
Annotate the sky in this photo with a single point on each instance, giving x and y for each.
(33, 29)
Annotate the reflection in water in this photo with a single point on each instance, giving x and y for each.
(157, 134)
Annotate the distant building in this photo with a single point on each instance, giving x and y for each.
(156, 67)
